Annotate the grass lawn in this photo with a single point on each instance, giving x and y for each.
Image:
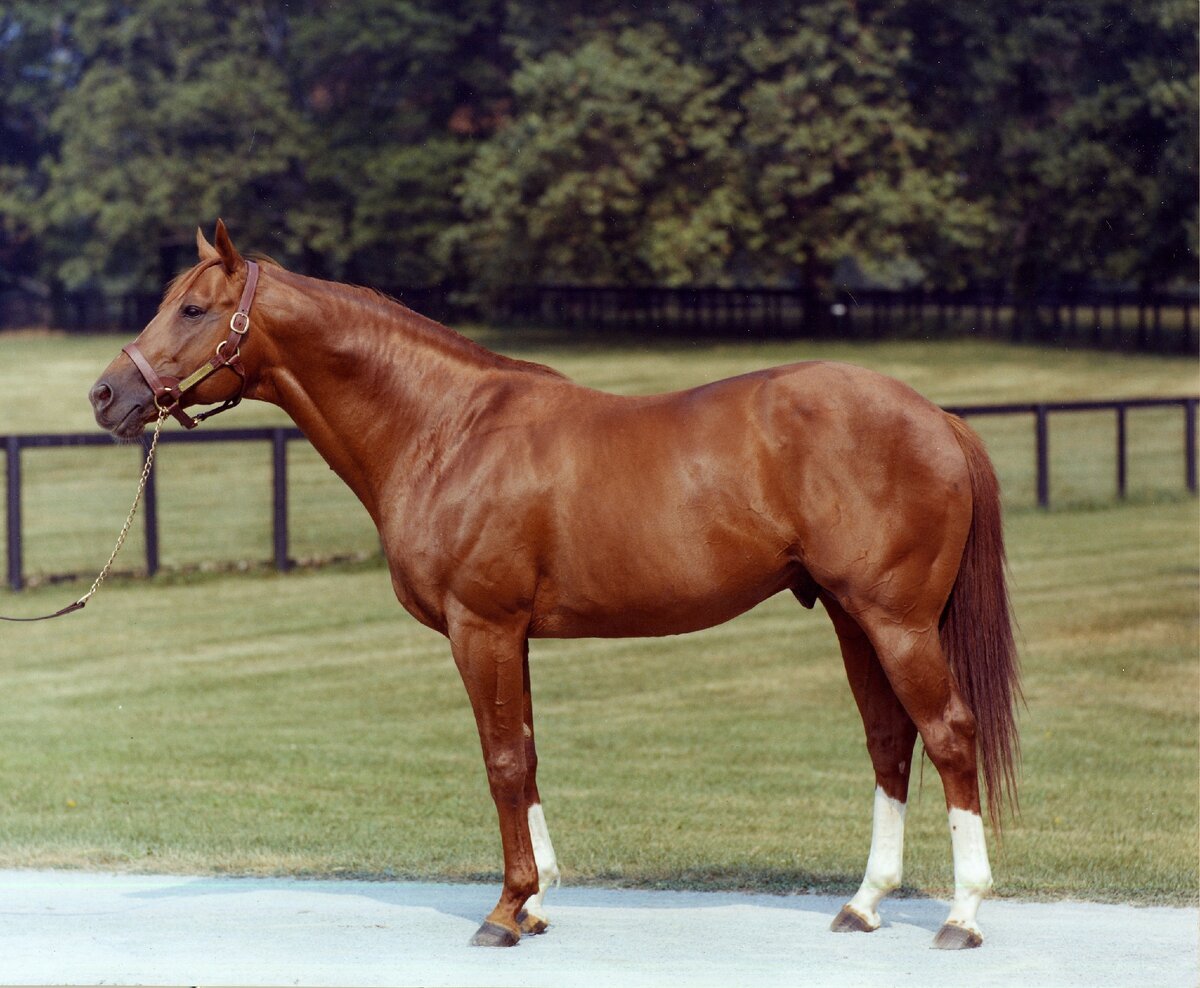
(304, 724)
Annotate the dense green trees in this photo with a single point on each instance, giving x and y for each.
(407, 142)
(1075, 123)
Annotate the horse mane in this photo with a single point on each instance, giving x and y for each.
(430, 330)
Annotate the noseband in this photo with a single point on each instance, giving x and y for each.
(169, 391)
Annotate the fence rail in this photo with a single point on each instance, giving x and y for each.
(1158, 322)
(1154, 322)
(279, 437)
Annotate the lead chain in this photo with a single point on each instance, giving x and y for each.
(137, 498)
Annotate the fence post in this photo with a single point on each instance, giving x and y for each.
(1189, 437)
(150, 507)
(1042, 441)
(1122, 452)
(279, 499)
(12, 449)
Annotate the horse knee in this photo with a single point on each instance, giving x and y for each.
(506, 772)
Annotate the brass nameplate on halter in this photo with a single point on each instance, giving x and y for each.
(195, 377)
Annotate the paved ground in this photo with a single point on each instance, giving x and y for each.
(76, 928)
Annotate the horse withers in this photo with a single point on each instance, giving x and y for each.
(513, 503)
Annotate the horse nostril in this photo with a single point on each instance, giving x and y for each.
(101, 395)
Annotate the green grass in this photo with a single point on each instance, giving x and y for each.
(303, 724)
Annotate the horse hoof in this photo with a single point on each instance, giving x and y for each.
(848, 921)
(531, 925)
(954, 937)
(494, 935)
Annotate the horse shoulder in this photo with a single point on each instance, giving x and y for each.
(473, 519)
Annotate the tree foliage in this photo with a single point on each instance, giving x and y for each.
(1076, 122)
(616, 165)
(407, 142)
(628, 160)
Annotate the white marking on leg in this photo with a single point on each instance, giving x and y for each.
(544, 858)
(885, 863)
(972, 873)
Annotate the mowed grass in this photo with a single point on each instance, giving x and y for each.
(303, 724)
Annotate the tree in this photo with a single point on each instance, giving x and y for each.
(838, 166)
(1077, 123)
(390, 141)
(176, 117)
(30, 74)
(329, 134)
(629, 160)
(399, 92)
(615, 168)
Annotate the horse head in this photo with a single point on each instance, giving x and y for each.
(190, 352)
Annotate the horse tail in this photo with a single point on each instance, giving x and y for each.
(977, 632)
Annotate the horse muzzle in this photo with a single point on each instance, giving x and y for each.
(122, 403)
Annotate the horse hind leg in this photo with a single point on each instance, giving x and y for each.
(891, 735)
(916, 667)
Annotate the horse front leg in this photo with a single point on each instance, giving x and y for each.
(491, 660)
(533, 917)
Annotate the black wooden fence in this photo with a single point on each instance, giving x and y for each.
(1151, 322)
(1039, 413)
(1159, 322)
(278, 438)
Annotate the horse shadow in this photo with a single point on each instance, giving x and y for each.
(470, 901)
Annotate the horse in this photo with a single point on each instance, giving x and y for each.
(513, 503)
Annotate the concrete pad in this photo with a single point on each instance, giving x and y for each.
(85, 928)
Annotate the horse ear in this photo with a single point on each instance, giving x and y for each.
(206, 250)
(230, 258)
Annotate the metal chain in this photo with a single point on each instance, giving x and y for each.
(137, 498)
(141, 489)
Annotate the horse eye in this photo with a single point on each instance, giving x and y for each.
(192, 311)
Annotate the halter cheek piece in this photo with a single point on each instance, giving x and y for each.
(169, 391)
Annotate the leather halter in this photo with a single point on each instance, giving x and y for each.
(169, 391)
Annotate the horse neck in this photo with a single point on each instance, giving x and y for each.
(363, 377)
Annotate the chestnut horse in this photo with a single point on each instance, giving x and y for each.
(512, 504)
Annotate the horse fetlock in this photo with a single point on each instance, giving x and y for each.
(532, 922)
